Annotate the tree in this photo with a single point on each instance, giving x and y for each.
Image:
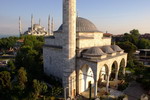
(128, 47)
(135, 32)
(22, 78)
(11, 65)
(38, 88)
(30, 56)
(5, 79)
(144, 44)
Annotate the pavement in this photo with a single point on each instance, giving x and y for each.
(134, 91)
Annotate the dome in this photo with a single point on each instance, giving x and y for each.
(107, 49)
(116, 48)
(94, 51)
(83, 25)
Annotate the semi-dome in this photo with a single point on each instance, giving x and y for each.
(107, 49)
(116, 48)
(83, 25)
(94, 51)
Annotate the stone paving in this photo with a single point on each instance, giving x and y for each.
(134, 91)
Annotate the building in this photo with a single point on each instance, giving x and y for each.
(37, 29)
(80, 55)
(143, 55)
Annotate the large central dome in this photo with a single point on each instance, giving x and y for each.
(83, 25)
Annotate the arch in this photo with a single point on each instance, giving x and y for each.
(122, 68)
(103, 74)
(122, 63)
(114, 70)
(86, 76)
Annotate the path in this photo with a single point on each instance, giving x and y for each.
(134, 91)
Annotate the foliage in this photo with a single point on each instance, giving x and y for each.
(5, 85)
(11, 65)
(30, 56)
(38, 88)
(6, 43)
(56, 91)
(144, 44)
(123, 86)
(5, 79)
(128, 47)
(22, 78)
(135, 32)
(143, 77)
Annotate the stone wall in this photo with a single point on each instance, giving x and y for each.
(53, 64)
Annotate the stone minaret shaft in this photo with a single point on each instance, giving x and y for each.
(52, 25)
(39, 21)
(69, 26)
(49, 25)
(32, 22)
(69, 37)
(20, 26)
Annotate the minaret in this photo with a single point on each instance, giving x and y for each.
(32, 22)
(20, 26)
(69, 35)
(39, 21)
(52, 26)
(49, 25)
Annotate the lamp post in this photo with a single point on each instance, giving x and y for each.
(65, 92)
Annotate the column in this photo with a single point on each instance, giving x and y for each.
(116, 76)
(107, 84)
(95, 88)
(124, 71)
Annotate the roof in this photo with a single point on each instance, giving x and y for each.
(94, 51)
(83, 25)
(116, 48)
(107, 49)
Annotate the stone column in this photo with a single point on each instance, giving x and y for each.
(95, 88)
(107, 84)
(124, 71)
(116, 76)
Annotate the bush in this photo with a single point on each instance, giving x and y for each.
(123, 86)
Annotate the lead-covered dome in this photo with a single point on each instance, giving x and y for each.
(83, 25)
(107, 49)
(116, 48)
(94, 51)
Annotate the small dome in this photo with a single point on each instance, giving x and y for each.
(116, 48)
(94, 51)
(107, 49)
(83, 25)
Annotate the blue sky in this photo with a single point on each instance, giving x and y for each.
(114, 16)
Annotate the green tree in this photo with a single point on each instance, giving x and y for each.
(22, 78)
(135, 32)
(11, 65)
(128, 47)
(144, 44)
(30, 56)
(5, 79)
(38, 88)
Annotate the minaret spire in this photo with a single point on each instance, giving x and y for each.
(32, 22)
(52, 26)
(20, 26)
(39, 21)
(49, 25)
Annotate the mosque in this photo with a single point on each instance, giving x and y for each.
(80, 55)
(37, 29)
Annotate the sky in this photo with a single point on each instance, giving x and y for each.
(113, 16)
